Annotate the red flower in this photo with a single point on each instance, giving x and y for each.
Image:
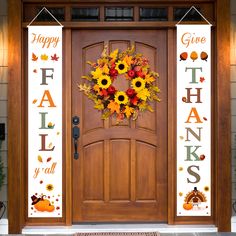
(131, 73)
(113, 65)
(111, 90)
(134, 100)
(140, 74)
(104, 92)
(113, 72)
(130, 92)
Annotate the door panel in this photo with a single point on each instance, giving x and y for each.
(121, 174)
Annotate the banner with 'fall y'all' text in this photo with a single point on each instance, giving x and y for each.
(193, 120)
(44, 121)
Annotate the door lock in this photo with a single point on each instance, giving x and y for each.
(75, 135)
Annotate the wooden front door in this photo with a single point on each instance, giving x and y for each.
(121, 174)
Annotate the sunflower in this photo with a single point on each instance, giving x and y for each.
(138, 84)
(121, 67)
(104, 81)
(121, 98)
(49, 187)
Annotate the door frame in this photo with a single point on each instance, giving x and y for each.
(17, 102)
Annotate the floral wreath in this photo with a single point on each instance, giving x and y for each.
(121, 104)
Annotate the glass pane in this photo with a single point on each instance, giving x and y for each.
(85, 14)
(58, 12)
(153, 14)
(118, 14)
(191, 16)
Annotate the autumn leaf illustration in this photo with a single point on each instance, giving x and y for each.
(40, 159)
(34, 57)
(44, 57)
(35, 71)
(34, 101)
(54, 57)
(49, 159)
(202, 79)
(49, 145)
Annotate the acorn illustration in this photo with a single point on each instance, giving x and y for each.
(183, 56)
(204, 56)
(202, 157)
(51, 125)
(194, 55)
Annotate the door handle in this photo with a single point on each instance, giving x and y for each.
(75, 135)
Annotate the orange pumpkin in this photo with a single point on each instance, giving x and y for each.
(44, 205)
(188, 206)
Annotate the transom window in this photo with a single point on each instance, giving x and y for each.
(128, 12)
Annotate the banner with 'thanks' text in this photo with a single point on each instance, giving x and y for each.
(193, 120)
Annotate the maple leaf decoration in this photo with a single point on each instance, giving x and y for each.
(54, 57)
(114, 107)
(202, 79)
(84, 87)
(129, 111)
(34, 57)
(44, 57)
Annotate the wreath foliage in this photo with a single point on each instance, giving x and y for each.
(109, 100)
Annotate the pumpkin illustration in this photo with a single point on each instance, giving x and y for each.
(183, 56)
(194, 55)
(42, 204)
(204, 56)
(187, 206)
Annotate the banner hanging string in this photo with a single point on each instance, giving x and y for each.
(45, 9)
(193, 7)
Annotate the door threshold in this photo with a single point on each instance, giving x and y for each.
(96, 228)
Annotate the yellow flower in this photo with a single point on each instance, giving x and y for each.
(104, 81)
(49, 187)
(97, 73)
(143, 94)
(121, 67)
(138, 84)
(121, 98)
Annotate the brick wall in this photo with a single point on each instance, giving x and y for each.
(3, 91)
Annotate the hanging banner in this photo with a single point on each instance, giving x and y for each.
(193, 120)
(44, 121)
